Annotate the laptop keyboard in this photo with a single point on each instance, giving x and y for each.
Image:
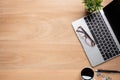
(102, 35)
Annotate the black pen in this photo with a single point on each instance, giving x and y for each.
(107, 71)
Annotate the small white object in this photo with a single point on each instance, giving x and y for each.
(104, 78)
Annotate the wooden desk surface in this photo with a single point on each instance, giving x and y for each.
(37, 41)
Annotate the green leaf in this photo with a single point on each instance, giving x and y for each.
(92, 5)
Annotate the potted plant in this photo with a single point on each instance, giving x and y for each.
(92, 5)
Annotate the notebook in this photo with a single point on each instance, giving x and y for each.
(99, 33)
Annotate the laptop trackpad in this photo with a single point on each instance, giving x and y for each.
(92, 53)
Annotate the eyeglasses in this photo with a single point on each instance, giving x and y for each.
(84, 34)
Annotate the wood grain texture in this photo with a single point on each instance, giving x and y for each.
(37, 41)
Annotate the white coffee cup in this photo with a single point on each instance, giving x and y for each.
(87, 74)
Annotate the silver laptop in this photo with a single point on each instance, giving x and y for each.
(99, 33)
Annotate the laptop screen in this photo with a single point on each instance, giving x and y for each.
(112, 12)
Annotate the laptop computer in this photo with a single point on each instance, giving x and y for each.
(99, 33)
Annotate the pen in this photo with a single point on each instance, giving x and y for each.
(107, 71)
